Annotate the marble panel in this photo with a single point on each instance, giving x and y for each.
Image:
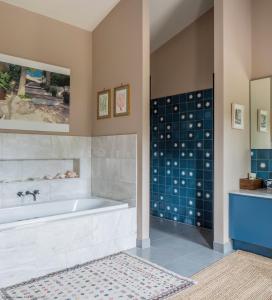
(37, 249)
(107, 168)
(83, 168)
(1, 146)
(117, 190)
(128, 170)
(26, 146)
(69, 188)
(114, 167)
(1, 193)
(71, 147)
(10, 190)
(117, 146)
(10, 170)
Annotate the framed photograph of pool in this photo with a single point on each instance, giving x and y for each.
(104, 104)
(33, 96)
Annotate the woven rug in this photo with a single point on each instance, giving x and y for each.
(118, 276)
(239, 276)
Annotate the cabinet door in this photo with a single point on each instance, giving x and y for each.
(251, 220)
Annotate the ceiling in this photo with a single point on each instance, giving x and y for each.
(85, 14)
(167, 17)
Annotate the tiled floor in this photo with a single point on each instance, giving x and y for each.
(181, 248)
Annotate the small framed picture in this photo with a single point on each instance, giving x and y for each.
(104, 104)
(122, 101)
(237, 116)
(263, 120)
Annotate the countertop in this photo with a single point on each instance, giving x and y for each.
(262, 193)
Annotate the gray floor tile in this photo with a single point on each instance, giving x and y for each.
(160, 256)
(185, 267)
(204, 256)
(178, 246)
(181, 248)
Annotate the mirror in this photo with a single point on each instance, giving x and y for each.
(260, 113)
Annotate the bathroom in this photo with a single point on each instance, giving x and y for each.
(47, 180)
(135, 149)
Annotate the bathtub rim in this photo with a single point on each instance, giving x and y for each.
(119, 205)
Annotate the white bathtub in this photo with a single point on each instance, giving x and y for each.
(49, 211)
(41, 238)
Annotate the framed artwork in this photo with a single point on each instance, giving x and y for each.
(33, 95)
(122, 101)
(263, 120)
(237, 116)
(104, 104)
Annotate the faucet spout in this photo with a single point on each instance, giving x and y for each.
(34, 194)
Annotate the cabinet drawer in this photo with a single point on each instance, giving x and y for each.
(251, 219)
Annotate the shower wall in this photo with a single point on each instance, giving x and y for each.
(182, 158)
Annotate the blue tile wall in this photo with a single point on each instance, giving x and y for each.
(261, 163)
(182, 158)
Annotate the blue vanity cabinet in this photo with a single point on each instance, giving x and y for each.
(251, 223)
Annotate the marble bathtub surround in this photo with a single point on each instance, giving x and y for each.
(106, 167)
(114, 167)
(25, 156)
(41, 248)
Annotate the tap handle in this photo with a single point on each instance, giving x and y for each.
(36, 192)
(20, 194)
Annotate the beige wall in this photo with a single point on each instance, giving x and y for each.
(260, 98)
(232, 75)
(114, 64)
(186, 62)
(120, 56)
(32, 36)
(261, 38)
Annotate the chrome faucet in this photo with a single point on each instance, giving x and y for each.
(34, 194)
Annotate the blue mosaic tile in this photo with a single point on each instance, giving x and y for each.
(182, 158)
(261, 163)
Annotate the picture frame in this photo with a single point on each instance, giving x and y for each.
(237, 116)
(104, 104)
(40, 94)
(263, 120)
(122, 101)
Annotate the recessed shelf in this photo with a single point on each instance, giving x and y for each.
(36, 180)
(33, 170)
